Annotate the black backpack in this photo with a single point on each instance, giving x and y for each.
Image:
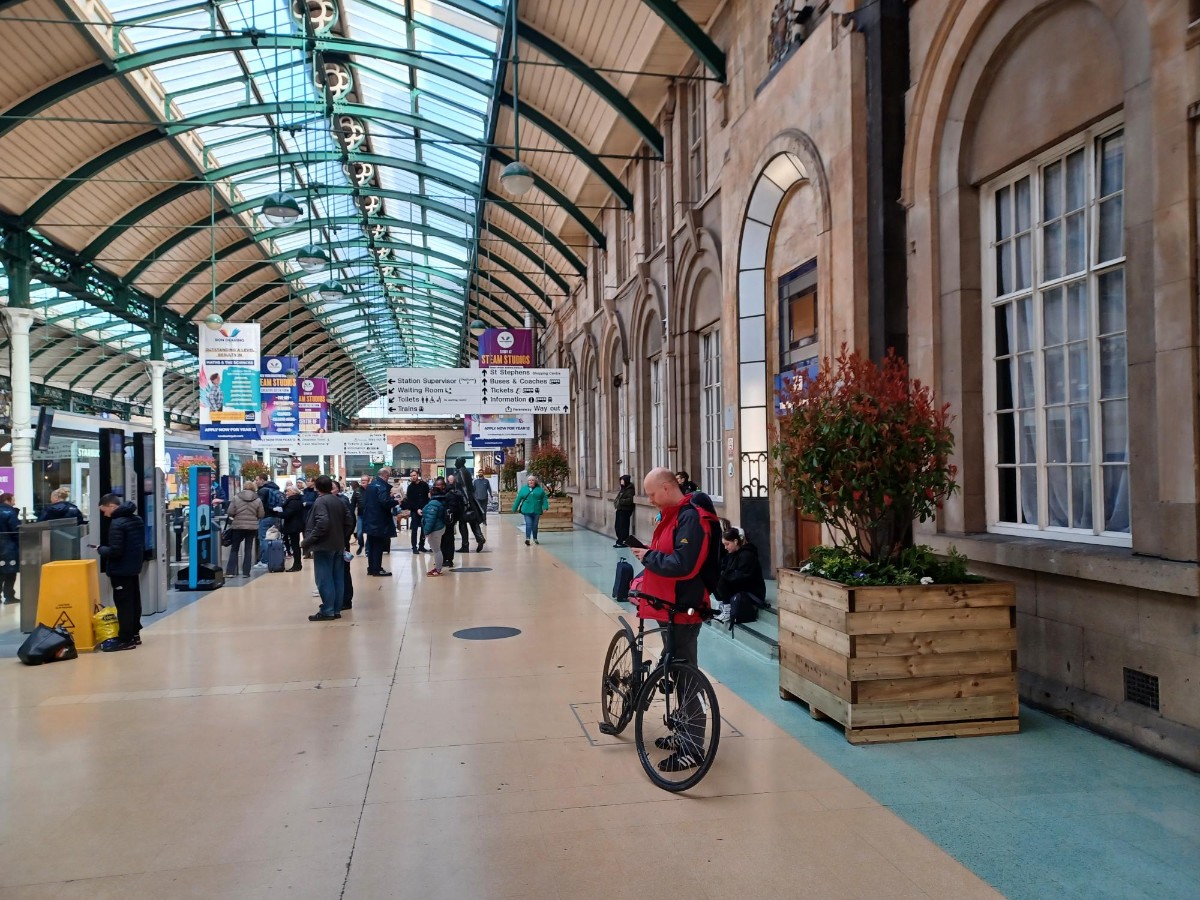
(710, 570)
(46, 644)
(620, 591)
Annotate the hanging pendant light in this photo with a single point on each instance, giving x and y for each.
(331, 290)
(213, 321)
(281, 208)
(517, 178)
(311, 258)
(478, 327)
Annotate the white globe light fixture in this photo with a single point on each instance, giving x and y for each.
(213, 321)
(281, 208)
(312, 258)
(517, 178)
(331, 290)
(477, 327)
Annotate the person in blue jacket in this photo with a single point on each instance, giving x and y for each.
(379, 524)
(433, 520)
(10, 554)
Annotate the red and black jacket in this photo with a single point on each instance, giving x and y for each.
(673, 564)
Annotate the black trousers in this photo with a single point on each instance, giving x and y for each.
(624, 518)
(448, 544)
(8, 586)
(375, 548)
(127, 598)
(347, 586)
(415, 530)
(291, 540)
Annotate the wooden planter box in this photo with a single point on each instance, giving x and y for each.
(900, 663)
(507, 499)
(561, 516)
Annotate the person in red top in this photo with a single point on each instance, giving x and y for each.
(673, 564)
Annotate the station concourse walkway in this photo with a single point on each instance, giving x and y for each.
(245, 752)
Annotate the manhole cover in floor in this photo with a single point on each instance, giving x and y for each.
(486, 633)
(460, 569)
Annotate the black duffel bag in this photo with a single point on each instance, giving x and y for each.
(47, 645)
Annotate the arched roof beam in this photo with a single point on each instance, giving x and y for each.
(156, 255)
(135, 216)
(519, 275)
(609, 92)
(538, 227)
(490, 276)
(560, 199)
(131, 62)
(573, 144)
(536, 258)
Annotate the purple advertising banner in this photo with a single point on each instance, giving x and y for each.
(314, 405)
(506, 347)
(8, 480)
(280, 395)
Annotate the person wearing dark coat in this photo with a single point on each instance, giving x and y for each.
(685, 482)
(379, 524)
(123, 557)
(10, 554)
(326, 534)
(61, 507)
(741, 572)
(270, 516)
(416, 495)
(473, 513)
(453, 506)
(358, 494)
(347, 580)
(623, 503)
(293, 526)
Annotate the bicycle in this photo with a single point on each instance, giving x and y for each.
(677, 722)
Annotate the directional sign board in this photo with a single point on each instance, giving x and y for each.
(434, 392)
(442, 392)
(525, 390)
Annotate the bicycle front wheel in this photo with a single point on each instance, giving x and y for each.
(677, 726)
(617, 683)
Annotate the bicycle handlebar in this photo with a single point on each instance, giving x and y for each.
(659, 603)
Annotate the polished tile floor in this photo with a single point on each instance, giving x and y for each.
(244, 752)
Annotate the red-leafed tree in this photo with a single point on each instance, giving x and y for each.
(865, 450)
(549, 463)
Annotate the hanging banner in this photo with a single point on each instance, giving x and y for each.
(280, 395)
(506, 347)
(502, 347)
(314, 405)
(230, 383)
(371, 444)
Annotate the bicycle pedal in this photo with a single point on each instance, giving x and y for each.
(605, 728)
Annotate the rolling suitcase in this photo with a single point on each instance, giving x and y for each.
(275, 556)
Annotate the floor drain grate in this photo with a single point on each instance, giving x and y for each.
(486, 633)
(1141, 688)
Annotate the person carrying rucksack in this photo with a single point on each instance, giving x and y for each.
(674, 571)
(741, 588)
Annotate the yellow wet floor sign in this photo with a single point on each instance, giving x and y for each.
(69, 591)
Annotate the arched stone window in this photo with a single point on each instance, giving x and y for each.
(406, 457)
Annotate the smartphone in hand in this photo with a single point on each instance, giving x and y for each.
(633, 542)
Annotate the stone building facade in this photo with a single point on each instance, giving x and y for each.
(1006, 191)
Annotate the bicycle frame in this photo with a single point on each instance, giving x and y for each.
(640, 672)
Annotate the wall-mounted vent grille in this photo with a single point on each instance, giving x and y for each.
(1141, 688)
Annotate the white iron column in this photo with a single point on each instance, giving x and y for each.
(158, 415)
(222, 458)
(19, 323)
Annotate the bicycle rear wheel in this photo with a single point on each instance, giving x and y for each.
(617, 683)
(677, 726)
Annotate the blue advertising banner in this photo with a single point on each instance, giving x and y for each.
(280, 395)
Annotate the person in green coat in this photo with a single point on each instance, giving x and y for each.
(531, 502)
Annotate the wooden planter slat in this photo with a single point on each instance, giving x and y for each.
(900, 663)
(983, 662)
